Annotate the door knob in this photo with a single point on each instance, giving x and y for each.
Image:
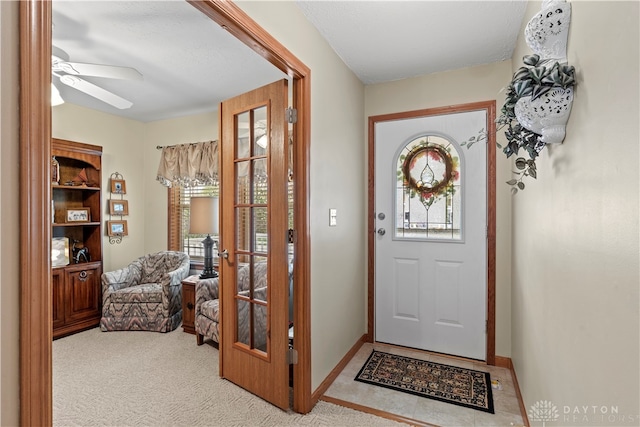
(224, 254)
(381, 216)
(381, 231)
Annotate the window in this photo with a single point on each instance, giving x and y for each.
(428, 190)
(179, 203)
(178, 218)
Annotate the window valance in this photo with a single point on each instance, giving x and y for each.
(186, 165)
(189, 165)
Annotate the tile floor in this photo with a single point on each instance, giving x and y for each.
(507, 410)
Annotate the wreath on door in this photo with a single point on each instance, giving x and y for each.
(420, 172)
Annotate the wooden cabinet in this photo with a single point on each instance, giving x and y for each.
(189, 304)
(77, 220)
(77, 298)
(58, 298)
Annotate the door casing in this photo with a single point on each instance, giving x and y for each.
(490, 107)
(36, 331)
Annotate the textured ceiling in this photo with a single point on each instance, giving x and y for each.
(190, 64)
(390, 40)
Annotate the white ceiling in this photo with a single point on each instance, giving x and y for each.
(190, 64)
(390, 40)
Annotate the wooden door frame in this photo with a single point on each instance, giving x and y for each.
(490, 107)
(36, 403)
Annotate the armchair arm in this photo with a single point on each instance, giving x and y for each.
(171, 283)
(123, 278)
(206, 290)
(175, 277)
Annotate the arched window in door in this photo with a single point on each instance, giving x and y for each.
(428, 190)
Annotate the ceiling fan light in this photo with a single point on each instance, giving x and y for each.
(56, 99)
(262, 141)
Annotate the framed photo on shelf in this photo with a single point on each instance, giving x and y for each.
(78, 215)
(59, 251)
(117, 228)
(118, 207)
(118, 186)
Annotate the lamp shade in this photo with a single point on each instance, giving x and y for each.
(203, 218)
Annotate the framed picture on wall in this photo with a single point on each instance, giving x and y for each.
(118, 186)
(118, 207)
(117, 228)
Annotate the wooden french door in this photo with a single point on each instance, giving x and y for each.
(253, 267)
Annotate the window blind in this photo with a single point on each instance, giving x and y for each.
(179, 212)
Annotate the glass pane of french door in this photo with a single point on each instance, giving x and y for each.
(252, 237)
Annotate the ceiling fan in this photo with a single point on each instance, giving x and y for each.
(68, 72)
(260, 131)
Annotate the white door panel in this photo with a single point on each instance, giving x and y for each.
(431, 288)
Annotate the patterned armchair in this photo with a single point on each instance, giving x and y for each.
(207, 315)
(146, 295)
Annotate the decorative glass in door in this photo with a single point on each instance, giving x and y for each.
(428, 202)
(252, 238)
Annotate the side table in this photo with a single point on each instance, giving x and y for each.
(189, 304)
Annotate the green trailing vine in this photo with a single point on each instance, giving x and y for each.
(481, 137)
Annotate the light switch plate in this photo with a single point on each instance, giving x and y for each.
(333, 220)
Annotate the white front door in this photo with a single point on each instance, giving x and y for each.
(431, 232)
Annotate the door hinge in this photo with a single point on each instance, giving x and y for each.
(291, 115)
(292, 236)
(292, 356)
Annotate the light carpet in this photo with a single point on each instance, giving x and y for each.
(154, 379)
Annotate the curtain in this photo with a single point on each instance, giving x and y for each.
(187, 165)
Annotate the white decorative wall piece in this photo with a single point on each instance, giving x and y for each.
(547, 34)
(548, 31)
(548, 115)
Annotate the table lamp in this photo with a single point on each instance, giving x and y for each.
(203, 219)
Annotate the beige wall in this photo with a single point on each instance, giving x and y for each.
(463, 86)
(337, 181)
(122, 149)
(575, 232)
(9, 222)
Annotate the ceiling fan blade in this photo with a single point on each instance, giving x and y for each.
(96, 70)
(96, 91)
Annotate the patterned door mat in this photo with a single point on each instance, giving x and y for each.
(450, 384)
